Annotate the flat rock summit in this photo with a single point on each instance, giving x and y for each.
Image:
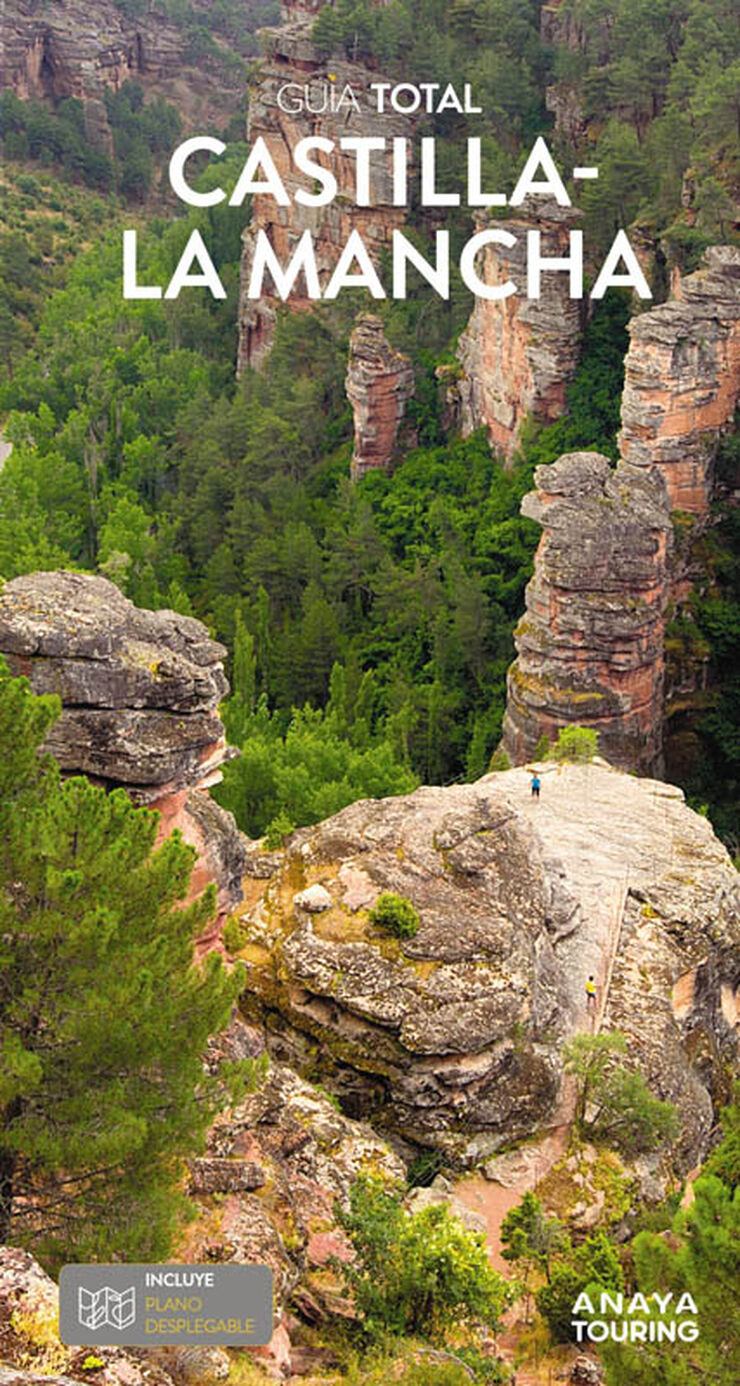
(452, 1038)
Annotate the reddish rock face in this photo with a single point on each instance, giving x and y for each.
(78, 49)
(140, 692)
(380, 381)
(590, 645)
(290, 57)
(518, 355)
(682, 380)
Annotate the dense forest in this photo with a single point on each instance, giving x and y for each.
(370, 625)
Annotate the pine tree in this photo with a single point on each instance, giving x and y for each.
(104, 1016)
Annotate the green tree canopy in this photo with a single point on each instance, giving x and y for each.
(104, 1016)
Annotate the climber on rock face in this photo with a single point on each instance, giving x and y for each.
(535, 785)
(591, 994)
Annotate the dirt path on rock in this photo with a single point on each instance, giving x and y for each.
(599, 871)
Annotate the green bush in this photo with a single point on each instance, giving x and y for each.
(576, 743)
(499, 761)
(627, 1115)
(594, 1263)
(234, 935)
(542, 750)
(278, 829)
(394, 914)
(415, 1274)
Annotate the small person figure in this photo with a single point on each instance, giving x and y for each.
(535, 786)
(591, 994)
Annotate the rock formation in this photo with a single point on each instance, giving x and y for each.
(518, 355)
(266, 1187)
(140, 692)
(590, 644)
(54, 51)
(682, 380)
(452, 1038)
(263, 1192)
(380, 381)
(290, 57)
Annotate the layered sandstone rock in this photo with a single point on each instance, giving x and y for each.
(590, 644)
(682, 380)
(380, 382)
(140, 692)
(290, 57)
(518, 354)
(452, 1038)
(55, 51)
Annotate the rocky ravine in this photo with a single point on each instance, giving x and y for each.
(52, 51)
(452, 1039)
(140, 692)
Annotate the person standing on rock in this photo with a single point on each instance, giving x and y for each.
(535, 783)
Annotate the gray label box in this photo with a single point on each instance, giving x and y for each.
(154, 1305)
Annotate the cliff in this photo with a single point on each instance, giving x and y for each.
(519, 355)
(140, 692)
(51, 51)
(290, 57)
(380, 382)
(590, 644)
(452, 1038)
(682, 380)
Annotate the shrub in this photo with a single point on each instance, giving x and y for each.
(594, 1263)
(419, 1273)
(576, 743)
(499, 761)
(234, 935)
(394, 914)
(626, 1113)
(278, 829)
(542, 749)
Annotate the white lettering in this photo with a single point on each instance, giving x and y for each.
(132, 289)
(540, 157)
(259, 157)
(633, 279)
(494, 292)
(367, 277)
(315, 170)
(536, 263)
(177, 171)
(195, 253)
(266, 259)
(437, 275)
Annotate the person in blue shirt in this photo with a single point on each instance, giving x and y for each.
(535, 786)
